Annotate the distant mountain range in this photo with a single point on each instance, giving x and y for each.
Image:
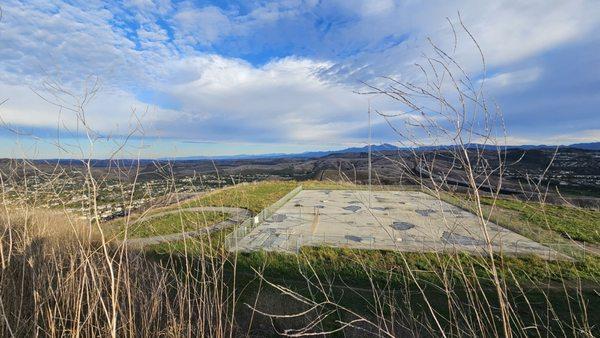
(375, 149)
(307, 154)
(586, 146)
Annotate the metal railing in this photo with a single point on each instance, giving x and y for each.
(232, 239)
(270, 210)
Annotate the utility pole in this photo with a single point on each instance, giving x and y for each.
(369, 153)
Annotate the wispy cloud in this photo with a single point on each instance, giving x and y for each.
(285, 71)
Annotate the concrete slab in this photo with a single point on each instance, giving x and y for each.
(391, 220)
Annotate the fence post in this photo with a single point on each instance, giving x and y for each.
(259, 218)
(235, 245)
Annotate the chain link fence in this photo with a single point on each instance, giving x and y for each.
(231, 240)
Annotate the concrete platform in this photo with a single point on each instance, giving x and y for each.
(392, 220)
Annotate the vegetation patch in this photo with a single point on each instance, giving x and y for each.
(358, 267)
(254, 197)
(570, 222)
(178, 222)
(544, 223)
(206, 245)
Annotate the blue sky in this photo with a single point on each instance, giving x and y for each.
(228, 77)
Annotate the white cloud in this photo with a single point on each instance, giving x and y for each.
(511, 31)
(150, 34)
(583, 136)
(514, 78)
(38, 39)
(287, 99)
(201, 26)
(507, 31)
(282, 100)
(24, 108)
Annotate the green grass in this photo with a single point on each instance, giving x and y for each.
(356, 265)
(198, 246)
(253, 197)
(312, 185)
(576, 191)
(331, 185)
(544, 223)
(350, 275)
(172, 223)
(569, 222)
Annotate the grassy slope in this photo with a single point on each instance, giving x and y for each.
(172, 223)
(542, 223)
(207, 245)
(569, 222)
(352, 265)
(254, 197)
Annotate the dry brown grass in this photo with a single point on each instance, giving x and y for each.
(55, 281)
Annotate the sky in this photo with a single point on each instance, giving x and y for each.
(183, 78)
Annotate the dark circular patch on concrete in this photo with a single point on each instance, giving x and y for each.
(402, 225)
(425, 212)
(279, 217)
(353, 238)
(452, 238)
(353, 208)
